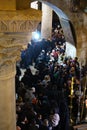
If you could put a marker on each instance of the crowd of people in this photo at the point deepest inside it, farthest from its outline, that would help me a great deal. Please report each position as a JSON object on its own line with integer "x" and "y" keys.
{"x": 42, "y": 99}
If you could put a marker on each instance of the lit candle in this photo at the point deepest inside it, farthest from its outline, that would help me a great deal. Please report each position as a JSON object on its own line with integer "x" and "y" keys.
{"x": 86, "y": 103}
{"x": 72, "y": 86}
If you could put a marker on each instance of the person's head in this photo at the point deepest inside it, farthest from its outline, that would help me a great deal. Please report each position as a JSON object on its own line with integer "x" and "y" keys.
{"x": 45, "y": 122}
{"x": 33, "y": 121}
{"x": 22, "y": 117}
{"x": 52, "y": 111}
{"x": 22, "y": 85}
{"x": 39, "y": 116}
{"x": 76, "y": 58}
{"x": 55, "y": 119}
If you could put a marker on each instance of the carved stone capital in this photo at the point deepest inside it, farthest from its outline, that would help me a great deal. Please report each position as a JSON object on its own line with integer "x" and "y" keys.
{"x": 9, "y": 54}
{"x": 10, "y": 47}
{"x": 7, "y": 71}
{"x": 19, "y": 20}
{"x": 18, "y": 26}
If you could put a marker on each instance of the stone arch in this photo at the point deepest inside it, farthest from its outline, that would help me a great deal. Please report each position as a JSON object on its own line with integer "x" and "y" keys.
{"x": 66, "y": 24}
{"x": 63, "y": 18}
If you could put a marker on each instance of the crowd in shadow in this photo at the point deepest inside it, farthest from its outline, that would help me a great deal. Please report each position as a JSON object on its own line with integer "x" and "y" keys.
{"x": 42, "y": 99}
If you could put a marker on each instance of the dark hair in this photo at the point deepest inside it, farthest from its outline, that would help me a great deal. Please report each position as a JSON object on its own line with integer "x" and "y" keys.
{"x": 21, "y": 117}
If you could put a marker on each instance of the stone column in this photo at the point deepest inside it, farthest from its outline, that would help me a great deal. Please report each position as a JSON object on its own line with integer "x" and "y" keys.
{"x": 9, "y": 54}
{"x": 82, "y": 48}
{"x": 7, "y": 97}
{"x": 81, "y": 33}
{"x": 46, "y": 26}
{"x": 11, "y": 45}
{"x": 10, "y": 49}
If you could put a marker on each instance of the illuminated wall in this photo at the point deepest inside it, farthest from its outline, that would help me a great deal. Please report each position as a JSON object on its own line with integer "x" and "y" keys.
{"x": 70, "y": 50}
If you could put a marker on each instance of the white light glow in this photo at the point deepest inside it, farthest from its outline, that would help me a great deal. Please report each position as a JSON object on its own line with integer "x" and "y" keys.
{"x": 35, "y": 35}
{"x": 34, "y": 5}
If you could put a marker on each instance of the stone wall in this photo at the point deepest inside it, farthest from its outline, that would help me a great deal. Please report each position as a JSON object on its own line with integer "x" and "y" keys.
{"x": 7, "y": 5}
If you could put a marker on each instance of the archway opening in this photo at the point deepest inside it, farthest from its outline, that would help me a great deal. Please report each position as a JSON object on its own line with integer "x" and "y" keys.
{"x": 65, "y": 26}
